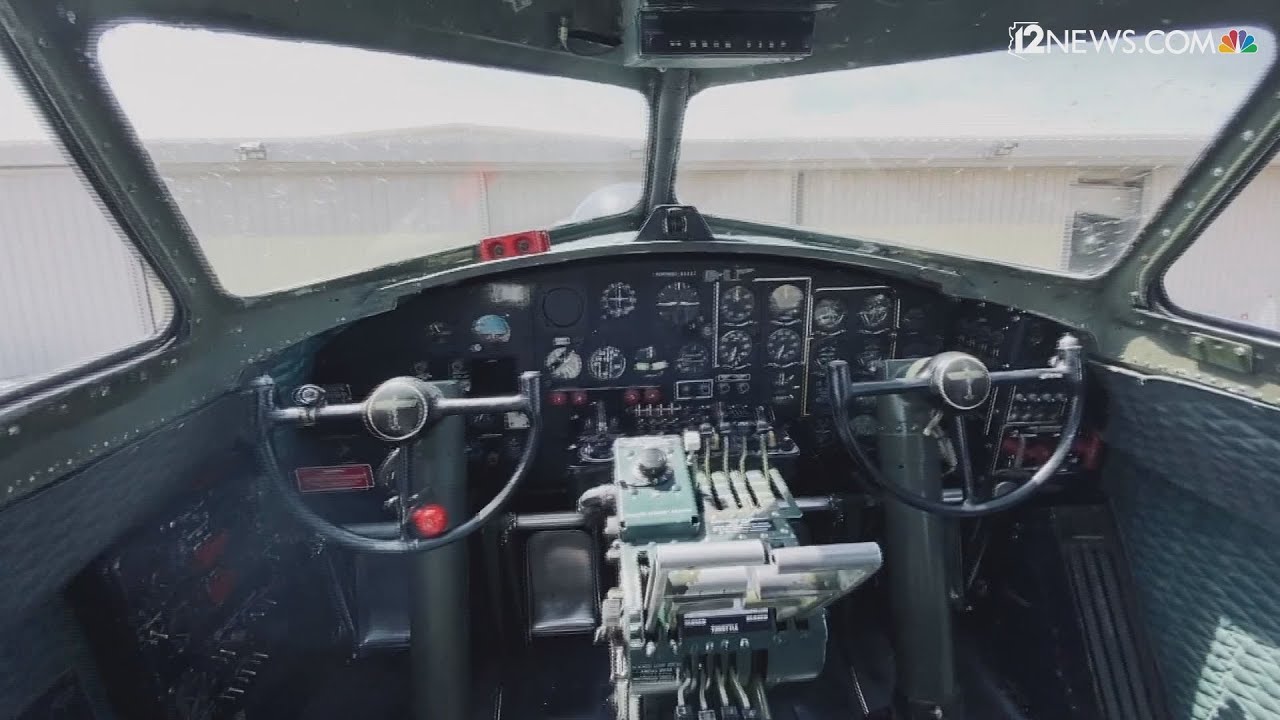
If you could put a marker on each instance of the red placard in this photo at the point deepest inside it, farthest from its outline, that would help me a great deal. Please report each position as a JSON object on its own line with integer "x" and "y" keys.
{"x": 334, "y": 478}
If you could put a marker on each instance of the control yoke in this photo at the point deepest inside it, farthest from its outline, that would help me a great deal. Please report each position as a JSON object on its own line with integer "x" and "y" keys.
{"x": 961, "y": 382}
{"x": 397, "y": 411}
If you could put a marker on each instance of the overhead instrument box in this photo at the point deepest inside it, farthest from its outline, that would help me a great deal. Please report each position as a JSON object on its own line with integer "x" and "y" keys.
{"x": 718, "y": 33}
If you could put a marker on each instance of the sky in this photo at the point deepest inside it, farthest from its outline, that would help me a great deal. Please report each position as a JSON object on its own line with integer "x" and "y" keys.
{"x": 183, "y": 83}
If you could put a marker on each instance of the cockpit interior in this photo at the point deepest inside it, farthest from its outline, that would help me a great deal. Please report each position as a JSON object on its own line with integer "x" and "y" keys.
{"x": 641, "y": 461}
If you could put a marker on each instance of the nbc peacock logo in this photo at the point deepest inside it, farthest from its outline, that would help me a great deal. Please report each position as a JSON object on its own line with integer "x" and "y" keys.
{"x": 1237, "y": 41}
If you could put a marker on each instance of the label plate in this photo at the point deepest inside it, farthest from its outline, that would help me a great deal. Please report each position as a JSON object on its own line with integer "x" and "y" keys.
{"x": 334, "y": 478}
{"x": 726, "y": 623}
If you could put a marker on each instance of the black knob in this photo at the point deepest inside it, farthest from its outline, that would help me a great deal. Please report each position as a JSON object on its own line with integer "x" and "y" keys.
{"x": 652, "y": 463}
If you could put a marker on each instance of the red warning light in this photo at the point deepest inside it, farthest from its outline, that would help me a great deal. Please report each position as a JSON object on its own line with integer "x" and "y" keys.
{"x": 514, "y": 245}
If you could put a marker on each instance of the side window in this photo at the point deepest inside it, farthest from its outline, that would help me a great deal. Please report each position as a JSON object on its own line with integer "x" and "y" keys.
{"x": 1232, "y": 271}
{"x": 73, "y": 288}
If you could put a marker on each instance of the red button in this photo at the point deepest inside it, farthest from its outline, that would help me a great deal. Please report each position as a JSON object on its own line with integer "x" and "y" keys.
{"x": 429, "y": 520}
{"x": 557, "y": 398}
{"x": 652, "y": 395}
{"x": 631, "y": 397}
{"x": 580, "y": 397}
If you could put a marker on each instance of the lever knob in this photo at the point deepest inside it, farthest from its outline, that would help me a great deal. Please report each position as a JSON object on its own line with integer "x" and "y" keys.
{"x": 651, "y": 464}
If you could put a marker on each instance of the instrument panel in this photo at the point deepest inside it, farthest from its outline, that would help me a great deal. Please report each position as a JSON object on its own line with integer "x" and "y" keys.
{"x": 664, "y": 343}
{"x": 671, "y": 330}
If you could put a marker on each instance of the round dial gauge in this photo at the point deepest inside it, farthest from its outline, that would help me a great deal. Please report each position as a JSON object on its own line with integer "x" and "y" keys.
{"x": 737, "y": 304}
{"x": 871, "y": 360}
{"x": 829, "y": 314}
{"x": 491, "y": 329}
{"x": 876, "y": 312}
{"x": 607, "y": 363}
{"x": 735, "y": 350}
{"x": 618, "y": 300}
{"x": 783, "y": 347}
{"x": 693, "y": 359}
{"x": 824, "y": 355}
{"x": 563, "y": 363}
{"x": 678, "y": 303}
{"x": 785, "y": 303}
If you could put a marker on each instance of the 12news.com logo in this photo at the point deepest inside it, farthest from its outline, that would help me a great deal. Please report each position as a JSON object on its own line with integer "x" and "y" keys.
{"x": 1032, "y": 38}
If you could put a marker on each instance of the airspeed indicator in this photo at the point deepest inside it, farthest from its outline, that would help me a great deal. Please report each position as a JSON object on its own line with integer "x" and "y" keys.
{"x": 734, "y": 350}
{"x": 784, "y": 347}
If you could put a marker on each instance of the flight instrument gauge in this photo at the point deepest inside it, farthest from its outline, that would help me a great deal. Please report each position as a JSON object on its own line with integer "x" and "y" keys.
{"x": 829, "y": 314}
{"x": 491, "y": 329}
{"x": 618, "y": 300}
{"x": 563, "y": 363}
{"x": 783, "y": 347}
{"x": 737, "y": 304}
{"x": 871, "y": 360}
{"x": 876, "y": 312}
{"x": 693, "y": 359}
{"x": 735, "y": 350}
{"x": 824, "y": 355}
{"x": 607, "y": 363}
{"x": 785, "y": 303}
{"x": 678, "y": 303}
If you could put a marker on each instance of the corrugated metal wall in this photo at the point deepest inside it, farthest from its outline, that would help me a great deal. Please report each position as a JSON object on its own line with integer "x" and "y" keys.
{"x": 270, "y": 225}
{"x": 71, "y": 289}
{"x": 1230, "y": 271}
{"x": 267, "y": 226}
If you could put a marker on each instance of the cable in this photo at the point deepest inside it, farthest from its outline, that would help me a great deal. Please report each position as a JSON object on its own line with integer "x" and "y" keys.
{"x": 720, "y": 686}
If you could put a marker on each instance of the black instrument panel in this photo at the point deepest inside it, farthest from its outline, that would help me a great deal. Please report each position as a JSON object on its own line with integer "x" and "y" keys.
{"x": 662, "y": 343}
{"x": 664, "y": 330}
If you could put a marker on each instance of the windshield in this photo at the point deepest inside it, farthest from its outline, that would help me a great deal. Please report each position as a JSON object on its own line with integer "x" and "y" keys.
{"x": 1052, "y": 161}
{"x": 300, "y": 162}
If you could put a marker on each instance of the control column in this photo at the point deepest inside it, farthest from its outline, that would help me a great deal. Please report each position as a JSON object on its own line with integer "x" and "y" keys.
{"x": 915, "y": 552}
